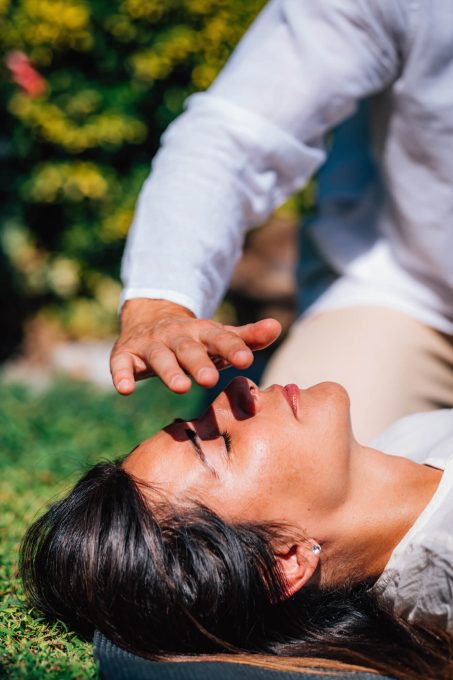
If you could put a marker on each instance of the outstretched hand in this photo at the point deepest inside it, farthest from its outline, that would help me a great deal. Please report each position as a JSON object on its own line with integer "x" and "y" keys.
{"x": 161, "y": 338}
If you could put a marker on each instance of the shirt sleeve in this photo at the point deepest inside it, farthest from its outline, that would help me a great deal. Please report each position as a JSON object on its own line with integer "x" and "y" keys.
{"x": 254, "y": 138}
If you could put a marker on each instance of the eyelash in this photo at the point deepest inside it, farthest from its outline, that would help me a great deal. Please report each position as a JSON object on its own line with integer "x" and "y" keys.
{"x": 227, "y": 439}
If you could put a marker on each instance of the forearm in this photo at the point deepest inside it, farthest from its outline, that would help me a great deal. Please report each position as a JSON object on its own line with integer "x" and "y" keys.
{"x": 212, "y": 180}
{"x": 251, "y": 141}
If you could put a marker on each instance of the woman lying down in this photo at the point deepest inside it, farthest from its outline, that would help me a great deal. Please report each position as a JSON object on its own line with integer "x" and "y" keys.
{"x": 262, "y": 528}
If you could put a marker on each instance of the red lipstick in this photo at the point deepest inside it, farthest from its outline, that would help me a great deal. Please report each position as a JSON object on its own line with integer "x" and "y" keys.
{"x": 293, "y": 395}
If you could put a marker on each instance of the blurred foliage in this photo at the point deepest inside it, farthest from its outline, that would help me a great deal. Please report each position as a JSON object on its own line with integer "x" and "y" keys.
{"x": 47, "y": 441}
{"x": 79, "y": 144}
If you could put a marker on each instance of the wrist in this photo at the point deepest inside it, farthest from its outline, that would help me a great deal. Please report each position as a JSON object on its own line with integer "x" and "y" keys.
{"x": 139, "y": 310}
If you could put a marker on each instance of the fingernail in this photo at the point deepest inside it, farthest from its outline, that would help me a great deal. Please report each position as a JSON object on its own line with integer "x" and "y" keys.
{"x": 178, "y": 381}
{"x": 124, "y": 385}
{"x": 206, "y": 374}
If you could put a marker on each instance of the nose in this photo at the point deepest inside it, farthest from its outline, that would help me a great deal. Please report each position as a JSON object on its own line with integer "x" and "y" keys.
{"x": 243, "y": 396}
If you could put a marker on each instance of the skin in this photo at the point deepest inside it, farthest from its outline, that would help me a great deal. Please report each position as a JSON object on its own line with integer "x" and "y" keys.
{"x": 302, "y": 467}
{"x": 163, "y": 339}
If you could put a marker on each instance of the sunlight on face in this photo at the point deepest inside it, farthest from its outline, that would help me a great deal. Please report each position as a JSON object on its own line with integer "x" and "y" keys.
{"x": 280, "y": 454}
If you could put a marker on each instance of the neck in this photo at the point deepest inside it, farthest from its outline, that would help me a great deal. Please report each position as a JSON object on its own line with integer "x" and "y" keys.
{"x": 387, "y": 494}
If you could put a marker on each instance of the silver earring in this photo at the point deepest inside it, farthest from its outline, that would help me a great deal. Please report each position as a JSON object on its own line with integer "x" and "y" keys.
{"x": 316, "y": 549}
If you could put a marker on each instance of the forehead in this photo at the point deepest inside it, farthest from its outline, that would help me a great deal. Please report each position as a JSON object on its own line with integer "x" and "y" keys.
{"x": 166, "y": 459}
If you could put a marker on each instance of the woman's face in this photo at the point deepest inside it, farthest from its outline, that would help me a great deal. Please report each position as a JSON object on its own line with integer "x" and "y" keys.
{"x": 280, "y": 454}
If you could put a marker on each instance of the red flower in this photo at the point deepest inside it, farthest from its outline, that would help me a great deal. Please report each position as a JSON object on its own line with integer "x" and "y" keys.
{"x": 24, "y": 74}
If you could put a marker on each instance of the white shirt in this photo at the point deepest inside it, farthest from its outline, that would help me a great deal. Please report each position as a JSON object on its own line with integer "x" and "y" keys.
{"x": 418, "y": 578}
{"x": 259, "y": 133}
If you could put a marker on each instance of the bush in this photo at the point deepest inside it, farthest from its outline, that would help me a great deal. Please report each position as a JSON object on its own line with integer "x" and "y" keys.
{"x": 79, "y": 135}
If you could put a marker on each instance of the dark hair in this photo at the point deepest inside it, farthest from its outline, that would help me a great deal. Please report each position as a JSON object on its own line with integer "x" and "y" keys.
{"x": 161, "y": 581}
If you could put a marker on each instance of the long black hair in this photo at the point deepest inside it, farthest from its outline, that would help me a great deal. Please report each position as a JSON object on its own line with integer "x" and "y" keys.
{"x": 164, "y": 581}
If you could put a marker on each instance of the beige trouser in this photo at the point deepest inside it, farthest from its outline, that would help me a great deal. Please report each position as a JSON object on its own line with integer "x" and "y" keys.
{"x": 391, "y": 364}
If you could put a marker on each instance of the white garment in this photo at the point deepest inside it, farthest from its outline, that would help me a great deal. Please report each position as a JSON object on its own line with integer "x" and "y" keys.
{"x": 418, "y": 578}
{"x": 258, "y": 135}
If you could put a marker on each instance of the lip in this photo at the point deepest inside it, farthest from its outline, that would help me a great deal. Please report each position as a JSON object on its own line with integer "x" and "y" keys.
{"x": 292, "y": 394}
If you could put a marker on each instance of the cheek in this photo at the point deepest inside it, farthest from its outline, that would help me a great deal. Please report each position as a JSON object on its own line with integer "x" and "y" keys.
{"x": 261, "y": 482}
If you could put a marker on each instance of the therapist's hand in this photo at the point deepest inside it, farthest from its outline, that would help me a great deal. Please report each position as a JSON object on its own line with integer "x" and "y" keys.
{"x": 161, "y": 338}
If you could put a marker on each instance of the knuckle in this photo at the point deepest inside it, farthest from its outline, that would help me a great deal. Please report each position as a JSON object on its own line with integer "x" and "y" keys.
{"x": 117, "y": 349}
{"x": 165, "y": 329}
{"x": 118, "y": 359}
{"x": 209, "y": 325}
{"x": 225, "y": 337}
{"x": 185, "y": 344}
{"x": 155, "y": 352}
{"x": 124, "y": 347}
{"x": 209, "y": 329}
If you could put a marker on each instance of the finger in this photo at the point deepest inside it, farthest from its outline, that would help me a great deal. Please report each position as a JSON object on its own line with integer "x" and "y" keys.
{"x": 122, "y": 370}
{"x": 193, "y": 356}
{"x": 226, "y": 345}
{"x": 163, "y": 363}
{"x": 258, "y": 335}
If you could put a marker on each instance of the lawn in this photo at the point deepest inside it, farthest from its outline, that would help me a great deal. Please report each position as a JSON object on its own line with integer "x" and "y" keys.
{"x": 46, "y": 441}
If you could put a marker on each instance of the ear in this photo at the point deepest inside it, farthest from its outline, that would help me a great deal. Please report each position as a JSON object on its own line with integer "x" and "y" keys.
{"x": 298, "y": 564}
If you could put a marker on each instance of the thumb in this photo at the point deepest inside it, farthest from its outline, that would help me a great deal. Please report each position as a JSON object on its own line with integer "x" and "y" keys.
{"x": 260, "y": 334}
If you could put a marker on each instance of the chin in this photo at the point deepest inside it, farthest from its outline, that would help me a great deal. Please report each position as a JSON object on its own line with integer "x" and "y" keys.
{"x": 331, "y": 390}
{"x": 331, "y": 400}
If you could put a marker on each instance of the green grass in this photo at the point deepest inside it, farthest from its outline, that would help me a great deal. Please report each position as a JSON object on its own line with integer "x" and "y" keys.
{"x": 46, "y": 442}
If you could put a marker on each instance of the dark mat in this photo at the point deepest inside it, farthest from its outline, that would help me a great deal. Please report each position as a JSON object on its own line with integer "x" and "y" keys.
{"x": 116, "y": 664}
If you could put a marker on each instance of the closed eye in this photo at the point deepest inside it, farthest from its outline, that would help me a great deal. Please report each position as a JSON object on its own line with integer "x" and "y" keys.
{"x": 227, "y": 439}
